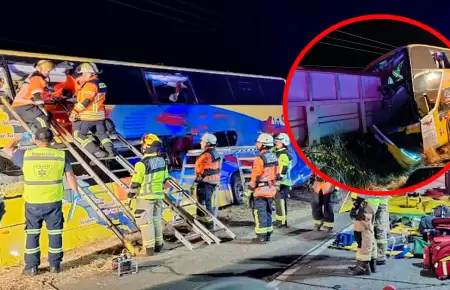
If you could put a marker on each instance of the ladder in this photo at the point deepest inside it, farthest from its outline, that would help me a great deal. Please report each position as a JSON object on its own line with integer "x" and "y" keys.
{"x": 200, "y": 231}
{"x": 99, "y": 209}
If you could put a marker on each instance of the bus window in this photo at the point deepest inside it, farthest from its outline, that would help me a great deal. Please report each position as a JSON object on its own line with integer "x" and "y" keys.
{"x": 392, "y": 69}
{"x": 444, "y": 101}
{"x": 226, "y": 138}
{"x": 440, "y": 59}
{"x": 170, "y": 87}
{"x": 427, "y": 86}
{"x": 126, "y": 85}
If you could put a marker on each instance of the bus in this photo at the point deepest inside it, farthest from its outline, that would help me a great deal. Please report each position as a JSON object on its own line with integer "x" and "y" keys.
{"x": 177, "y": 104}
{"x": 416, "y": 95}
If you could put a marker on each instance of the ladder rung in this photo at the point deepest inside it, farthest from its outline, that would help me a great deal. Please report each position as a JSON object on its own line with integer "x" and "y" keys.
{"x": 246, "y": 167}
{"x": 84, "y": 177}
{"x": 107, "y": 158}
{"x": 99, "y": 192}
{"x": 189, "y": 166}
{"x": 119, "y": 170}
{"x": 247, "y": 158}
{"x": 246, "y": 175}
{"x": 192, "y": 236}
{"x": 132, "y": 157}
{"x": 189, "y": 176}
{"x": 75, "y": 163}
{"x": 110, "y": 207}
{"x": 188, "y": 204}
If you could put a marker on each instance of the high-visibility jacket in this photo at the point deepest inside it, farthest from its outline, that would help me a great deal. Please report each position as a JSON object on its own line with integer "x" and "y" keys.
{"x": 33, "y": 89}
{"x": 90, "y": 100}
{"x": 43, "y": 172}
{"x": 264, "y": 175}
{"x": 372, "y": 199}
{"x": 325, "y": 186}
{"x": 207, "y": 166}
{"x": 284, "y": 166}
{"x": 150, "y": 175}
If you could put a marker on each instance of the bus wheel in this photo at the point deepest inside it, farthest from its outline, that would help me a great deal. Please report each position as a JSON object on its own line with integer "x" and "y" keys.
{"x": 237, "y": 188}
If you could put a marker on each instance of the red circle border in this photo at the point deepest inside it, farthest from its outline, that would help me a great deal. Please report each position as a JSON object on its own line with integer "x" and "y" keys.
{"x": 294, "y": 67}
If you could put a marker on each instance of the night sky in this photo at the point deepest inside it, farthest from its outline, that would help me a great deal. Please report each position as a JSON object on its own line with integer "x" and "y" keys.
{"x": 248, "y": 36}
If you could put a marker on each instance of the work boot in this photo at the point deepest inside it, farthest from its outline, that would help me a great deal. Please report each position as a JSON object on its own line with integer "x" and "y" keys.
{"x": 260, "y": 239}
{"x": 150, "y": 251}
{"x": 100, "y": 154}
{"x": 317, "y": 227}
{"x": 55, "y": 268}
{"x": 109, "y": 149}
{"x": 381, "y": 262}
{"x": 373, "y": 265}
{"x": 158, "y": 248}
{"x": 268, "y": 237}
{"x": 361, "y": 268}
{"x": 33, "y": 271}
{"x": 328, "y": 229}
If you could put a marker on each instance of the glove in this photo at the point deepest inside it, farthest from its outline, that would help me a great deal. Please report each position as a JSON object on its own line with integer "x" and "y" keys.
{"x": 73, "y": 116}
{"x": 76, "y": 196}
{"x": 67, "y": 94}
{"x": 26, "y": 136}
{"x": 132, "y": 192}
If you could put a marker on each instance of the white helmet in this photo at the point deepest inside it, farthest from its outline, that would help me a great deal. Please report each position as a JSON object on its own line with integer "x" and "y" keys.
{"x": 283, "y": 138}
{"x": 209, "y": 138}
{"x": 87, "y": 67}
{"x": 265, "y": 139}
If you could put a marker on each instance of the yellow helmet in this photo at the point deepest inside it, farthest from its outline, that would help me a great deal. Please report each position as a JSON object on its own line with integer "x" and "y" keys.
{"x": 150, "y": 139}
{"x": 44, "y": 64}
{"x": 87, "y": 67}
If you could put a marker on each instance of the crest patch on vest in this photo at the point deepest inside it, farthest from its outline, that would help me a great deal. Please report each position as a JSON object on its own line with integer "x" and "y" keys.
{"x": 42, "y": 170}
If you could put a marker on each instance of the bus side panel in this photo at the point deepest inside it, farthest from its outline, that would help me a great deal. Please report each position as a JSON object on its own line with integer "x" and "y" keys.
{"x": 9, "y": 127}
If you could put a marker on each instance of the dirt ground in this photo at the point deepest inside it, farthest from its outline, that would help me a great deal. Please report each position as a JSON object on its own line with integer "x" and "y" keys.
{"x": 91, "y": 260}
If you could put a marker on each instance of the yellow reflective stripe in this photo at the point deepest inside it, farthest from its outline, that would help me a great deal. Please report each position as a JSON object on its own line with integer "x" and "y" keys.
{"x": 269, "y": 229}
{"x": 55, "y": 251}
{"x": 144, "y": 225}
{"x": 159, "y": 240}
{"x": 106, "y": 140}
{"x": 56, "y": 158}
{"x": 80, "y": 140}
{"x": 41, "y": 122}
{"x": 318, "y": 222}
{"x": 79, "y": 107}
{"x": 258, "y": 230}
{"x": 363, "y": 258}
{"x": 328, "y": 224}
{"x": 33, "y": 231}
{"x": 149, "y": 243}
{"x": 32, "y": 251}
{"x": 51, "y": 182}
{"x": 280, "y": 218}
{"x": 55, "y": 232}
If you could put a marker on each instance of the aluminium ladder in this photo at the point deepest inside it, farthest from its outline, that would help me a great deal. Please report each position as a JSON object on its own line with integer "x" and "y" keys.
{"x": 200, "y": 231}
{"x": 99, "y": 209}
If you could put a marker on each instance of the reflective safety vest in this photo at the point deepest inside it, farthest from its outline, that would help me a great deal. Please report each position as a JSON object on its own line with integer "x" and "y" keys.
{"x": 370, "y": 199}
{"x": 90, "y": 101}
{"x": 266, "y": 183}
{"x": 384, "y": 201}
{"x": 284, "y": 166}
{"x": 27, "y": 91}
{"x": 154, "y": 177}
{"x": 43, "y": 172}
{"x": 323, "y": 186}
{"x": 211, "y": 174}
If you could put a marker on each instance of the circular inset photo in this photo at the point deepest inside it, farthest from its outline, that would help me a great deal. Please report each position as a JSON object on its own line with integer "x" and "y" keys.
{"x": 368, "y": 104}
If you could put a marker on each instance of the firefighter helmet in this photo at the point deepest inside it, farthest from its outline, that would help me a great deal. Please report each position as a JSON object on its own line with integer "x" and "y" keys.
{"x": 265, "y": 139}
{"x": 150, "y": 139}
{"x": 44, "y": 64}
{"x": 283, "y": 138}
{"x": 87, "y": 67}
{"x": 209, "y": 138}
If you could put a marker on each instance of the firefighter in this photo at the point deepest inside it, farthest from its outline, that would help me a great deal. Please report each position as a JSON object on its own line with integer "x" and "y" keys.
{"x": 262, "y": 188}
{"x": 381, "y": 228}
{"x": 284, "y": 177}
{"x": 43, "y": 169}
{"x": 207, "y": 171}
{"x": 29, "y": 101}
{"x": 322, "y": 207}
{"x": 363, "y": 214}
{"x": 88, "y": 114}
{"x": 147, "y": 184}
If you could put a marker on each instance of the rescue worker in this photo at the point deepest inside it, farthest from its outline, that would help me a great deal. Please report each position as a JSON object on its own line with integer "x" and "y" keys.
{"x": 207, "y": 171}
{"x": 43, "y": 169}
{"x": 147, "y": 184}
{"x": 29, "y": 101}
{"x": 262, "y": 188}
{"x": 322, "y": 206}
{"x": 381, "y": 228}
{"x": 284, "y": 177}
{"x": 88, "y": 114}
{"x": 363, "y": 214}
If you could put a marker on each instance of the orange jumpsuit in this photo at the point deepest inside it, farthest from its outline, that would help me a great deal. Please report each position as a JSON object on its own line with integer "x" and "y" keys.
{"x": 33, "y": 89}
{"x": 207, "y": 170}
{"x": 263, "y": 183}
{"x": 91, "y": 116}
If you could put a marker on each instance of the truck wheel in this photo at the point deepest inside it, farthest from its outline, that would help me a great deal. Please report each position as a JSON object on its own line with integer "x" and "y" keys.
{"x": 237, "y": 188}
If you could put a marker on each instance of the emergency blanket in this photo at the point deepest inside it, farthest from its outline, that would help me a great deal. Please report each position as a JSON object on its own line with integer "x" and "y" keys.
{"x": 345, "y": 241}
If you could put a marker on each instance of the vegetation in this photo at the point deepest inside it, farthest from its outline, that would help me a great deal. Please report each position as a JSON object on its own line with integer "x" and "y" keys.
{"x": 355, "y": 161}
